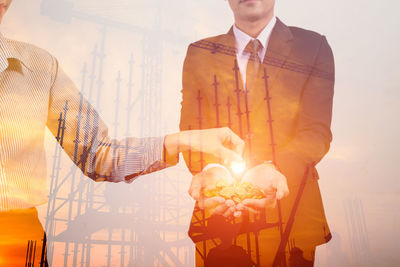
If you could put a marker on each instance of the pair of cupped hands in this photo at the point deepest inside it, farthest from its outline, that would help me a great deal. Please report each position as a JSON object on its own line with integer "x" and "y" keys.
{"x": 264, "y": 176}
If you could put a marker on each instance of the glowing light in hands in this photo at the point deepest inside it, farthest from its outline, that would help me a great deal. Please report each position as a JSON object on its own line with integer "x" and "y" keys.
{"x": 238, "y": 167}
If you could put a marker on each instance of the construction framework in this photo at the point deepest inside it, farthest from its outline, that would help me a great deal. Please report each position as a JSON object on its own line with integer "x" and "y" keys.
{"x": 75, "y": 201}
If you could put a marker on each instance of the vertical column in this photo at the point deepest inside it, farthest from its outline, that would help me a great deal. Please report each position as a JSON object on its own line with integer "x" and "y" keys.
{"x": 77, "y": 142}
{"x": 272, "y": 144}
{"x": 91, "y": 186}
{"x": 127, "y": 133}
{"x": 200, "y": 121}
{"x": 228, "y": 106}
{"x": 218, "y": 124}
{"x": 200, "y": 118}
{"x": 43, "y": 258}
{"x": 54, "y": 187}
{"x": 247, "y": 111}
{"x": 215, "y": 83}
{"x": 269, "y": 114}
{"x": 84, "y": 154}
{"x": 238, "y": 91}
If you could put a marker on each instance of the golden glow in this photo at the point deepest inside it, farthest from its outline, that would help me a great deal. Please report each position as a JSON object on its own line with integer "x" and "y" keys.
{"x": 238, "y": 167}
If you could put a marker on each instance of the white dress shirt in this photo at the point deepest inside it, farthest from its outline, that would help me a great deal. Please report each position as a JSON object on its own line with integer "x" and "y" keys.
{"x": 242, "y": 39}
{"x": 33, "y": 93}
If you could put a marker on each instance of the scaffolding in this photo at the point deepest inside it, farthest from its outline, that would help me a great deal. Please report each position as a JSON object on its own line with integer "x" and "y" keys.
{"x": 357, "y": 232}
{"x": 126, "y": 240}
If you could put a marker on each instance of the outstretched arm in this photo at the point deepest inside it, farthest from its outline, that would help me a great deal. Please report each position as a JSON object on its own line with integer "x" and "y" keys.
{"x": 84, "y": 136}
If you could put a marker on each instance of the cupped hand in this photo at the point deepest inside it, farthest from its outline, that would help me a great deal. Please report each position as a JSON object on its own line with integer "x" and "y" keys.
{"x": 273, "y": 183}
{"x": 206, "y": 181}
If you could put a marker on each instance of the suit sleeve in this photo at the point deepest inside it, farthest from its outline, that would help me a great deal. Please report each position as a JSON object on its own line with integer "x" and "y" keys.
{"x": 84, "y": 137}
{"x": 313, "y": 135}
{"x": 195, "y": 112}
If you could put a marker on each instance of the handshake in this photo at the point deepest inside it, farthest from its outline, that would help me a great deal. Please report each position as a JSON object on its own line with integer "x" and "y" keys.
{"x": 218, "y": 192}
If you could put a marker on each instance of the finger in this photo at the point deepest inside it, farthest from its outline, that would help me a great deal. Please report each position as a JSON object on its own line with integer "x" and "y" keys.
{"x": 240, "y": 207}
{"x": 271, "y": 203}
{"x": 282, "y": 188}
{"x": 270, "y": 199}
{"x": 228, "y": 155}
{"x": 229, "y": 212}
{"x": 221, "y": 209}
{"x": 246, "y": 209}
{"x": 229, "y": 203}
{"x": 236, "y": 142}
{"x": 195, "y": 188}
{"x": 270, "y": 194}
{"x": 237, "y": 214}
{"x": 200, "y": 203}
{"x": 212, "y": 202}
{"x": 257, "y": 204}
{"x": 195, "y": 192}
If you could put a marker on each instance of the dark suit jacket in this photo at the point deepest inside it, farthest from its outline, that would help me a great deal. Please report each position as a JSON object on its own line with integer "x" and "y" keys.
{"x": 285, "y": 117}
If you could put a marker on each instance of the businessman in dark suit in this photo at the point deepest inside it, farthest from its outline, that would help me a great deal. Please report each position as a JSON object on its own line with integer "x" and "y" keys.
{"x": 272, "y": 85}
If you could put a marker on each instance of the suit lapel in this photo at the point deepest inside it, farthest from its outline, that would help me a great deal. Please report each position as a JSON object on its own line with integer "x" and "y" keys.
{"x": 279, "y": 48}
{"x": 228, "y": 39}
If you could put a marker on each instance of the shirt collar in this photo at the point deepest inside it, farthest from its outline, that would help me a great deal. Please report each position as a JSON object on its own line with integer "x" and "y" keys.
{"x": 8, "y": 51}
{"x": 242, "y": 38}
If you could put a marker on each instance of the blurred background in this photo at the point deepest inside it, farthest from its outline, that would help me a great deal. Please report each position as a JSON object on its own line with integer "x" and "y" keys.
{"x": 126, "y": 57}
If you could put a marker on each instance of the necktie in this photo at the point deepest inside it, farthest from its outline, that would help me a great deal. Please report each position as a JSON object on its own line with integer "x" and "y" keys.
{"x": 253, "y": 73}
{"x": 253, "y": 66}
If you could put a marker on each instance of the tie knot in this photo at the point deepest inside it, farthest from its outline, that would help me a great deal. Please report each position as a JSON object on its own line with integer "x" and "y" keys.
{"x": 254, "y": 46}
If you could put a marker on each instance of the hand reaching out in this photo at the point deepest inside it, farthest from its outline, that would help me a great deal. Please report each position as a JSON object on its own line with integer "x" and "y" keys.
{"x": 223, "y": 143}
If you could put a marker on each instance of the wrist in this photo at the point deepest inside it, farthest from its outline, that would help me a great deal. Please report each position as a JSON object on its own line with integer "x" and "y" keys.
{"x": 170, "y": 144}
{"x": 171, "y": 148}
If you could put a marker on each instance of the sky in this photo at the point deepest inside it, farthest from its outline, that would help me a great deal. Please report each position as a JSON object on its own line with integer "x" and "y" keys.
{"x": 361, "y": 168}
